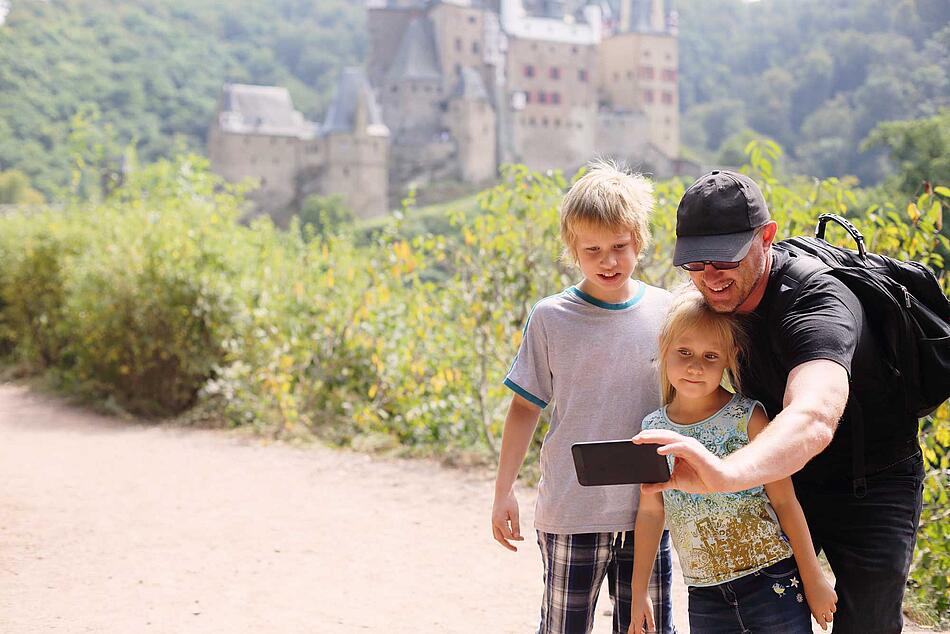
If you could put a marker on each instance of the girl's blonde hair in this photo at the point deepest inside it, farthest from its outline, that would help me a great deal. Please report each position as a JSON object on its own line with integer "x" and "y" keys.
{"x": 607, "y": 196}
{"x": 689, "y": 311}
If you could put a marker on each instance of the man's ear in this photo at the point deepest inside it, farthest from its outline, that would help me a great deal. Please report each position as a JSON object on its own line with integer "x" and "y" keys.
{"x": 768, "y": 233}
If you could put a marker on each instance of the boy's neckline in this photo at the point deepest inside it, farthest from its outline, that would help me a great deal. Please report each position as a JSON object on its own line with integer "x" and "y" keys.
{"x": 590, "y": 299}
{"x": 699, "y": 422}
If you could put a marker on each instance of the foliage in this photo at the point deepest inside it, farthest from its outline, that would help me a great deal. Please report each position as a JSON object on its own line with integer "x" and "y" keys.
{"x": 920, "y": 149}
{"x": 154, "y": 71}
{"x": 15, "y": 189}
{"x": 815, "y": 77}
{"x": 158, "y": 298}
{"x": 323, "y": 214}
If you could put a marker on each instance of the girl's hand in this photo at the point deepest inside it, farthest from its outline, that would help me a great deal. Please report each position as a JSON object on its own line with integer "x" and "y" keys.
{"x": 641, "y": 611}
{"x": 822, "y": 600}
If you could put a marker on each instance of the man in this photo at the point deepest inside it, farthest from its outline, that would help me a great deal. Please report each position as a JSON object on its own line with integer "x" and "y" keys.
{"x": 861, "y": 493}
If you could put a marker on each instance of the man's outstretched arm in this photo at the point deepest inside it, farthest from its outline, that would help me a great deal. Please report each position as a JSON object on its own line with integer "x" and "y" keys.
{"x": 815, "y": 397}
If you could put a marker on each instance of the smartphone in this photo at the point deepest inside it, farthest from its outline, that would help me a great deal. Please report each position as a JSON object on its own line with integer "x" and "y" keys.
{"x": 618, "y": 462}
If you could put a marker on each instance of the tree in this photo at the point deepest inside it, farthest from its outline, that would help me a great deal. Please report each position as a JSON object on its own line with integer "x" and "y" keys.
{"x": 920, "y": 150}
{"x": 15, "y": 189}
{"x": 320, "y": 215}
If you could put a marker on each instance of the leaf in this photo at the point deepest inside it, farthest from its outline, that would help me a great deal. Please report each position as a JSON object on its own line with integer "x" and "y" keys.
{"x": 943, "y": 191}
{"x": 913, "y": 212}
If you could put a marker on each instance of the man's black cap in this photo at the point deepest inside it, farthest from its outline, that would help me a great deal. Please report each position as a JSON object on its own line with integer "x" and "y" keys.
{"x": 717, "y": 218}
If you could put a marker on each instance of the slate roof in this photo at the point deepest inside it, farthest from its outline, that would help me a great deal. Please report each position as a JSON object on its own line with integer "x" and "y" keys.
{"x": 417, "y": 57}
{"x": 267, "y": 110}
{"x": 353, "y": 88}
{"x": 470, "y": 86}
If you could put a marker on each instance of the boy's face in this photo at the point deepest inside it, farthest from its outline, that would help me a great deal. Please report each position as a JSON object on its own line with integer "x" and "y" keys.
{"x": 607, "y": 258}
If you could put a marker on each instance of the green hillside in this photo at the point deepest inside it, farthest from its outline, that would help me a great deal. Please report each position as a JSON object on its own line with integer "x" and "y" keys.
{"x": 815, "y": 76}
{"x": 153, "y": 70}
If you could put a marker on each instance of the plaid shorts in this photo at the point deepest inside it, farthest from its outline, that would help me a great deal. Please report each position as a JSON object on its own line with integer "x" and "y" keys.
{"x": 574, "y": 570}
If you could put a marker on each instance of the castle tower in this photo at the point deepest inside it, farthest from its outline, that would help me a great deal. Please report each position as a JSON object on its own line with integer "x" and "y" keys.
{"x": 471, "y": 120}
{"x": 256, "y": 134}
{"x": 357, "y": 147}
{"x": 412, "y": 86}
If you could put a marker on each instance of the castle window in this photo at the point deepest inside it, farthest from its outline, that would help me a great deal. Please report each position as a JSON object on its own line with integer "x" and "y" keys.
{"x": 574, "y": 50}
{"x": 346, "y": 171}
{"x": 555, "y": 72}
{"x": 544, "y": 121}
{"x": 475, "y": 48}
{"x": 669, "y": 74}
{"x": 542, "y": 96}
{"x": 555, "y": 97}
{"x": 458, "y": 44}
{"x": 471, "y": 19}
{"x": 394, "y": 89}
{"x": 648, "y": 96}
{"x": 557, "y": 123}
{"x": 529, "y": 71}
{"x": 629, "y": 74}
{"x": 646, "y": 53}
{"x": 527, "y": 98}
{"x": 646, "y": 72}
{"x": 531, "y": 121}
{"x": 667, "y": 97}
{"x": 616, "y": 76}
{"x": 582, "y": 75}
{"x": 458, "y": 69}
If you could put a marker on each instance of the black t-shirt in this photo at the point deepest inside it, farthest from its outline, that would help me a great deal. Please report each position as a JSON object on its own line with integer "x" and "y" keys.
{"x": 826, "y": 321}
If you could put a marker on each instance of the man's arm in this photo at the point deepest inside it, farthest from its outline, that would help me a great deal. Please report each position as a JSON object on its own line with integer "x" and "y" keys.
{"x": 815, "y": 397}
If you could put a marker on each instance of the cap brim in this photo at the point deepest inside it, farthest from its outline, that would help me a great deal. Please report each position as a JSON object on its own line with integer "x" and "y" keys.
{"x": 726, "y": 247}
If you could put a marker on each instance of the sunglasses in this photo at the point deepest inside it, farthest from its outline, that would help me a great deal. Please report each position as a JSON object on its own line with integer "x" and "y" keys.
{"x": 719, "y": 266}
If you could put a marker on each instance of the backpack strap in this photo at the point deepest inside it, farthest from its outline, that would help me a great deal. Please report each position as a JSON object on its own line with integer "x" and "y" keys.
{"x": 793, "y": 276}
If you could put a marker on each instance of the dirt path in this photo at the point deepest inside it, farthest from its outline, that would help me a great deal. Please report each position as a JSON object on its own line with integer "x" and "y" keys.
{"x": 114, "y": 527}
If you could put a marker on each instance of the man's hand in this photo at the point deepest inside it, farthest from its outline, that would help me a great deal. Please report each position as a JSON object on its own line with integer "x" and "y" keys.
{"x": 505, "y": 522}
{"x": 695, "y": 470}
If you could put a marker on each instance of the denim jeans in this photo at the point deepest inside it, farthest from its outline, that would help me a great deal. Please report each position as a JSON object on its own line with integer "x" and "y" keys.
{"x": 869, "y": 542}
{"x": 770, "y": 601}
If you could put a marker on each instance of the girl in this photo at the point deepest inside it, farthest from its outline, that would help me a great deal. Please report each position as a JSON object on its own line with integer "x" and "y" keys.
{"x": 738, "y": 551}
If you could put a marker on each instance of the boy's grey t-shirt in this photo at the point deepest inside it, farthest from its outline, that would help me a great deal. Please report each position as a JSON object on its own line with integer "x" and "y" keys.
{"x": 594, "y": 362}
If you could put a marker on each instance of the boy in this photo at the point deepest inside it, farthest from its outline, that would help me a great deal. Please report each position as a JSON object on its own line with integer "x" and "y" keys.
{"x": 590, "y": 350}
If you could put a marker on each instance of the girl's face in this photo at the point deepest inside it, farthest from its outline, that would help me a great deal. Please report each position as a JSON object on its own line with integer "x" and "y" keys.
{"x": 607, "y": 259}
{"x": 695, "y": 363}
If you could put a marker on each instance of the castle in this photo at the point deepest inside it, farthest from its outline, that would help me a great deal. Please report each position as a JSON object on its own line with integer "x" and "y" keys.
{"x": 454, "y": 88}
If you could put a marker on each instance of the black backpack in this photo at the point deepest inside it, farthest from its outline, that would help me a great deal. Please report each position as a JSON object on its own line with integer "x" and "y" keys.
{"x": 903, "y": 302}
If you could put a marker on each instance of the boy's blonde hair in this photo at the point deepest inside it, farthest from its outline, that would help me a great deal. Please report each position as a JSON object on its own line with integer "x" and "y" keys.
{"x": 609, "y": 197}
{"x": 689, "y": 311}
